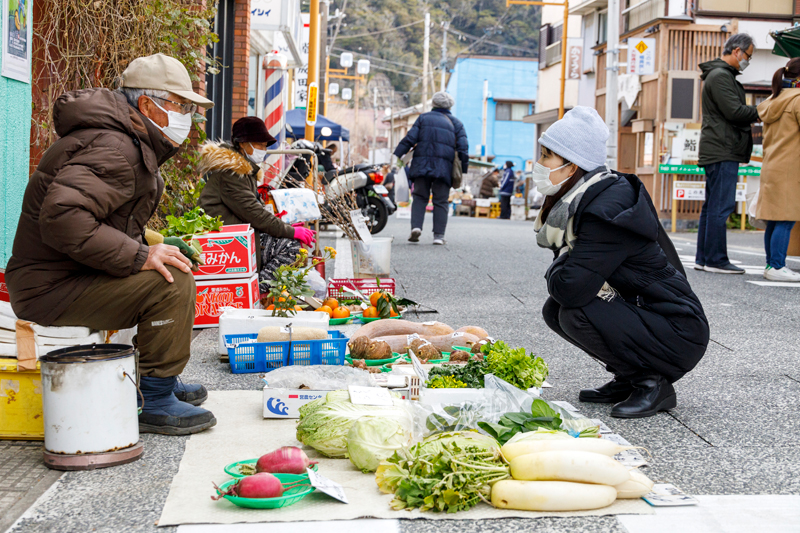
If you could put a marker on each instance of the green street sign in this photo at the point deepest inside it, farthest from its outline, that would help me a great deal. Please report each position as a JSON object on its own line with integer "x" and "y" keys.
{"x": 698, "y": 171}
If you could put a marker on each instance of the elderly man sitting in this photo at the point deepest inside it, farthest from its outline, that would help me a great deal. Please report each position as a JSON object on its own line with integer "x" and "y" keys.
{"x": 80, "y": 257}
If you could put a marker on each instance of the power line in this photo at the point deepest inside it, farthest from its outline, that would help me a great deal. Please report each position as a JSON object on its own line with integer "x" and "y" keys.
{"x": 381, "y": 31}
{"x": 373, "y": 58}
{"x": 486, "y": 41}
{"x": 386, "y": 69}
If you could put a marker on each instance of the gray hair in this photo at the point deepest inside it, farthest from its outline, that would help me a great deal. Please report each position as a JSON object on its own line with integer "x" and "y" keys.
{"x": 741, "y": 41}
{"x": 132, "y": 95}
{"x": 442, "y": 100}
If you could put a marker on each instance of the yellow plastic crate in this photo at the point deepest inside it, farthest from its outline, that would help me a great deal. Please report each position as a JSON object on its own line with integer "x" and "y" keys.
{"x": 20, "y": 402}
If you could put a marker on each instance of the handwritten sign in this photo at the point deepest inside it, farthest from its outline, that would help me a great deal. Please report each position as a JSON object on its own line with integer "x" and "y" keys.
{"x": 357, "y": 217}
{"x": 369, "y": 396}
{"x": 323, "y": 484}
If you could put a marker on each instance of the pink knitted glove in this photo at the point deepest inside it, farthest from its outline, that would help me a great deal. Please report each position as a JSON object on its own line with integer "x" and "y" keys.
{"x": 306, "y": 236}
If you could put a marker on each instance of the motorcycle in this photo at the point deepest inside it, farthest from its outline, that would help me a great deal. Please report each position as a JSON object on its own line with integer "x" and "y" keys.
{"x": 372, "y": 197}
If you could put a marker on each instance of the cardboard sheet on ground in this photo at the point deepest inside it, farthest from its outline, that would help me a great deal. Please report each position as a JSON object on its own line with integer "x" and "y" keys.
{"x": 241, "y": 433}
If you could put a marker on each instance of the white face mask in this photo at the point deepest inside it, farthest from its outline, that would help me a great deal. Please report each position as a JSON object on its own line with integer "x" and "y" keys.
{"x": 257, "y": 156}
{"x": 178, "y": 127}
{"x": 744, "y": 63}
{"x": 541, "y": 178}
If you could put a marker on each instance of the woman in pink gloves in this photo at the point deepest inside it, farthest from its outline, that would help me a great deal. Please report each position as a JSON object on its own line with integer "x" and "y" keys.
{"x": 231, "y": 192}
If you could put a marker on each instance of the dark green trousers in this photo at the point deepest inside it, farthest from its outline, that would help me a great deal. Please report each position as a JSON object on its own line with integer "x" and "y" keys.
{"x": 163, "y": 312}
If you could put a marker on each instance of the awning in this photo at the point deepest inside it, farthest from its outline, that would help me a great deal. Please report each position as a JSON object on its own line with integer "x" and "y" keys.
{"x": 787, "y": 42}
{"x": 296, "y": 127}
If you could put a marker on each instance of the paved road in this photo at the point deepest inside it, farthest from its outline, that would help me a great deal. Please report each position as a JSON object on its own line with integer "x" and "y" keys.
{"x": 734, "y": 432}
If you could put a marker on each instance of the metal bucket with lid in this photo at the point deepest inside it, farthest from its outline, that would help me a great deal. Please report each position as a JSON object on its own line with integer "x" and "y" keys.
{"x": 89, "y": 399}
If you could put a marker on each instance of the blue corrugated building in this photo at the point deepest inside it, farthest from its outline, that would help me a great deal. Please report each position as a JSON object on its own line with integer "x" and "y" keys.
{"x": 512, "y": 91}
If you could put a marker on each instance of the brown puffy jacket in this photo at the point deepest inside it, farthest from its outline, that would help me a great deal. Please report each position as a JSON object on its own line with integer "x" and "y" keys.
{"x": 231, "y": 192}
{"x": 87, "y": 203}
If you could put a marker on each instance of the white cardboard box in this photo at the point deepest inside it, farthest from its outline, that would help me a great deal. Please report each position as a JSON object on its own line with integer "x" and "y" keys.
{"x": 245, "y": 321}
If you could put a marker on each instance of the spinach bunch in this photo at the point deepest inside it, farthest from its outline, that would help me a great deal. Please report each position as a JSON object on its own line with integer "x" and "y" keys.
{"x": 470, "y": 374}
{"x": 541, "y": 416}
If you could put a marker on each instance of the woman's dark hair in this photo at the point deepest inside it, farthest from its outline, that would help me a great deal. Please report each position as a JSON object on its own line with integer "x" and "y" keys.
{"x": 790, "y": 71}
{"x": 237, "y": 146}
{"x": 566, "y": 186}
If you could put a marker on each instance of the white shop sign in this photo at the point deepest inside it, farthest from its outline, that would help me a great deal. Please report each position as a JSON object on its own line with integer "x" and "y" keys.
{"x": 642, "y": 56}
{"x": 696, "y": 190}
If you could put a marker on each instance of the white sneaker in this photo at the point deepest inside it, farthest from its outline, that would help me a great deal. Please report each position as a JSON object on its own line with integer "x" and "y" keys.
{"x": 781, "y": 274}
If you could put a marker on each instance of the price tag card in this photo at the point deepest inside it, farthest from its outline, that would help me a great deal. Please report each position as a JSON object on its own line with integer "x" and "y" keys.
{"x": 631, "y": 458}
{"x": 370, "y": 396}
{"x": 418, "y": 370}
{"x": 604, "y": 429}
{"x": 458, "y": 334}
{"x": 357, "y": 217}
{"x": 286, "y": 329}
{"x": 668, "y": 495}
{"x": 323, "y": 484}
{"x": 567, "y": 406}
{"x": 432, "y": 323}
{"x": 411, "y": 338}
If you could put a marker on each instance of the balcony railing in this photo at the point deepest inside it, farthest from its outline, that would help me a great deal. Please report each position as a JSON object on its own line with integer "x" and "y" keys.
{"x": 552, "y": 54}
{"x": 643, "y": 13}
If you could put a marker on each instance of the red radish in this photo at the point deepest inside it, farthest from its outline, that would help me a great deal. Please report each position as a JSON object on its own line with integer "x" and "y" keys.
{"x": 285, "y": 460}
{"x": 261, "y": 485}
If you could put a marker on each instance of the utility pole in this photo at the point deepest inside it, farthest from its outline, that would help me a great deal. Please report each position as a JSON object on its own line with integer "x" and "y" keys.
{"x": 443, "y": 64}
{"x": 425, "y": 54}
{"x": 313, "y": 67}
{"x": 484, "y": 155}
{"x": 355, "y": 140}
{"x": 612, "y": 71}
{"x": 324, "y": 59}
{"x": 374, "y": 124}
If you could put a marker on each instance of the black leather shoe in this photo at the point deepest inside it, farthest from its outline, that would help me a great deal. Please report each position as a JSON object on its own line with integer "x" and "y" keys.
{"x": 651, "y": 394}
{"x": 614, "y": 391}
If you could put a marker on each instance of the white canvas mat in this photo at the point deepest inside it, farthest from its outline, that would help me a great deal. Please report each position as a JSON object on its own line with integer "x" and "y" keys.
{"x": 241, "y": 433}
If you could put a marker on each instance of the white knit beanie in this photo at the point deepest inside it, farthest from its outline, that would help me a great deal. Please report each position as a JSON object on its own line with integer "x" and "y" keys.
{"x": 442, "y": 100}
{"x": 580, "y": 137}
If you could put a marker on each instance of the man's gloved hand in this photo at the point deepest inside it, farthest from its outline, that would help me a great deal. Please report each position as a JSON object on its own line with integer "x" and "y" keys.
{"x": 192, "y": 252}
{"x": 304, "y": 235}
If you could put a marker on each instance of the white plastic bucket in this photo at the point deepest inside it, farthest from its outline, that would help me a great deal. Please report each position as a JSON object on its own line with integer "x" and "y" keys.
{"x": 374, "y": 259}
{"x": 89, "y": 399}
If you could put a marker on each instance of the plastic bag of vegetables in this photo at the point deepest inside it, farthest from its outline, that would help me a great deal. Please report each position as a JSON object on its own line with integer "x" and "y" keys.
{"x": 325, "y": 428}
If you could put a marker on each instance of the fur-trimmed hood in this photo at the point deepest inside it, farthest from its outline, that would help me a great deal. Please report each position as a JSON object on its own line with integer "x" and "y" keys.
{"x": 221, "y": 157}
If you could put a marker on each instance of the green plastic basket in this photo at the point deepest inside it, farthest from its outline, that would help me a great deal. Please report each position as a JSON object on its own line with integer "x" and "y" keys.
{"x": 341, "y": 321}
{"x": 444, "y": 359}
{"x": 366, "y": 320}
{"x": 290, "y": 497}
{"x": 375, "y": 362}
{"x": 233, "y": 468}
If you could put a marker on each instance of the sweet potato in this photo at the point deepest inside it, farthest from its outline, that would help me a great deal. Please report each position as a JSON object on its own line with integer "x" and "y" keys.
{"x": 474, "y": 330}
{"x": 385, "y": 328}
{"x": 444, "y": 343}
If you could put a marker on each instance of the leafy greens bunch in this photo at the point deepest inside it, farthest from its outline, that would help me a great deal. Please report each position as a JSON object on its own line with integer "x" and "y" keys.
{"x": 542, "y": 417}
{"x": 514, "y": 366}
{"x": 448, "y": 472}
{"x": 194, "y": 222}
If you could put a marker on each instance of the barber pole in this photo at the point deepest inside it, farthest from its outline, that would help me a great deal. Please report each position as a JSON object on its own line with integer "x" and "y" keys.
{"x": 274, "y": 110}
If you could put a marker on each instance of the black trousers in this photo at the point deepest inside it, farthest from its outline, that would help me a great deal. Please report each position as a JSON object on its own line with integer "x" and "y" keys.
{"x": 573, "y": 326}
{"x": 505, "y": 207}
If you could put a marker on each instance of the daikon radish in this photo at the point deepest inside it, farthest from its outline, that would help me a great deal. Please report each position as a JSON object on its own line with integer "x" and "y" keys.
{"x": 535, "y": 445}
{"x": 636, "y": 487}
{"x": 581, "y": 467}
{"x": 551, "y": 495}
{"x": 383, "y": 328}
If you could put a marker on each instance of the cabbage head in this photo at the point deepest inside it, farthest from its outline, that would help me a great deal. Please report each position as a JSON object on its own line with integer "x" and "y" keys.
{"x": 326, "y": 428}
{"x": 372, "y": 439}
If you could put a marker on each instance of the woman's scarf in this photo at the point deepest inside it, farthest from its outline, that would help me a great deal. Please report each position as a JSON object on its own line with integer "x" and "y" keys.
{"x": 557, "y": 232}
{"x": 791, "y": 83}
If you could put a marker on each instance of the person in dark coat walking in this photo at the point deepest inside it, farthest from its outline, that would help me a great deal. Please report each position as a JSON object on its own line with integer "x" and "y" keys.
{"x": 617, "y": 288}
{"x": 489, "y": 183}
{"x": 439, "y": 141}
{"x": 507, "y": 191}
{"x": 725, "y": 141}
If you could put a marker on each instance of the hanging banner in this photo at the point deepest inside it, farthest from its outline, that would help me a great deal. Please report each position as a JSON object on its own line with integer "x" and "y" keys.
{"x": 301, "y": 73}
{"x": 17, "y": 38}
{"x": 574, "y": 60}
{"x": 311, "y": 109}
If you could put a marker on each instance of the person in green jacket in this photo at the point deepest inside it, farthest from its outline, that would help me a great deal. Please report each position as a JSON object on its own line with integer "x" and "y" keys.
{"x": 231, "y": 191}
{"x": 725, "y": 141}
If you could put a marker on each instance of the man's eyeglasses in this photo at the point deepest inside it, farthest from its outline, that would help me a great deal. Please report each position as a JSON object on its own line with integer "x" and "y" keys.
{"x": 185, "y": 108}
{"x": 749, "y": 56}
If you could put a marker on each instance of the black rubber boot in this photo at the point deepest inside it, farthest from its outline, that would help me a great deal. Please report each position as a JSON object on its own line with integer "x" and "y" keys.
{"x": 163, "y": 413}
{"x": 191, "y": 393}
{"x": 651, "y": 394}
{"x": 614, "y": 391}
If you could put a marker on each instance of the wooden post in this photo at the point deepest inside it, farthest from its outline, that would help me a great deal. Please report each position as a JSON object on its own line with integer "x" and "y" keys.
{"x": 674, "y": 228}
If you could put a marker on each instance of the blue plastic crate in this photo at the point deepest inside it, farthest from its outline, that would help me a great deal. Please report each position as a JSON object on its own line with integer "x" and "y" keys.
{"x": 247, "y": 356}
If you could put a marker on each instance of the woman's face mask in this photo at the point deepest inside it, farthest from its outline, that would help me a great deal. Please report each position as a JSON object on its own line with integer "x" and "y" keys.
{"x": 542, "y": 176}
{"x": 257, "y": 156}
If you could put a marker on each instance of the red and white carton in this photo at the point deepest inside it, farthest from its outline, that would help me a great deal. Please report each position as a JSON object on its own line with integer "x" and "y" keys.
{"x": 228, "y": 253}
{"x": 4, "y": 296}
{"x": 213, "y": 296}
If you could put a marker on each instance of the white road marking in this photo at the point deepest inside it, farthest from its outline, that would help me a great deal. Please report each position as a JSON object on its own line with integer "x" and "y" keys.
{"x": 794, "y": 285}
{"x": 721, "y": 514}
{"x": 328, "y": 526}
